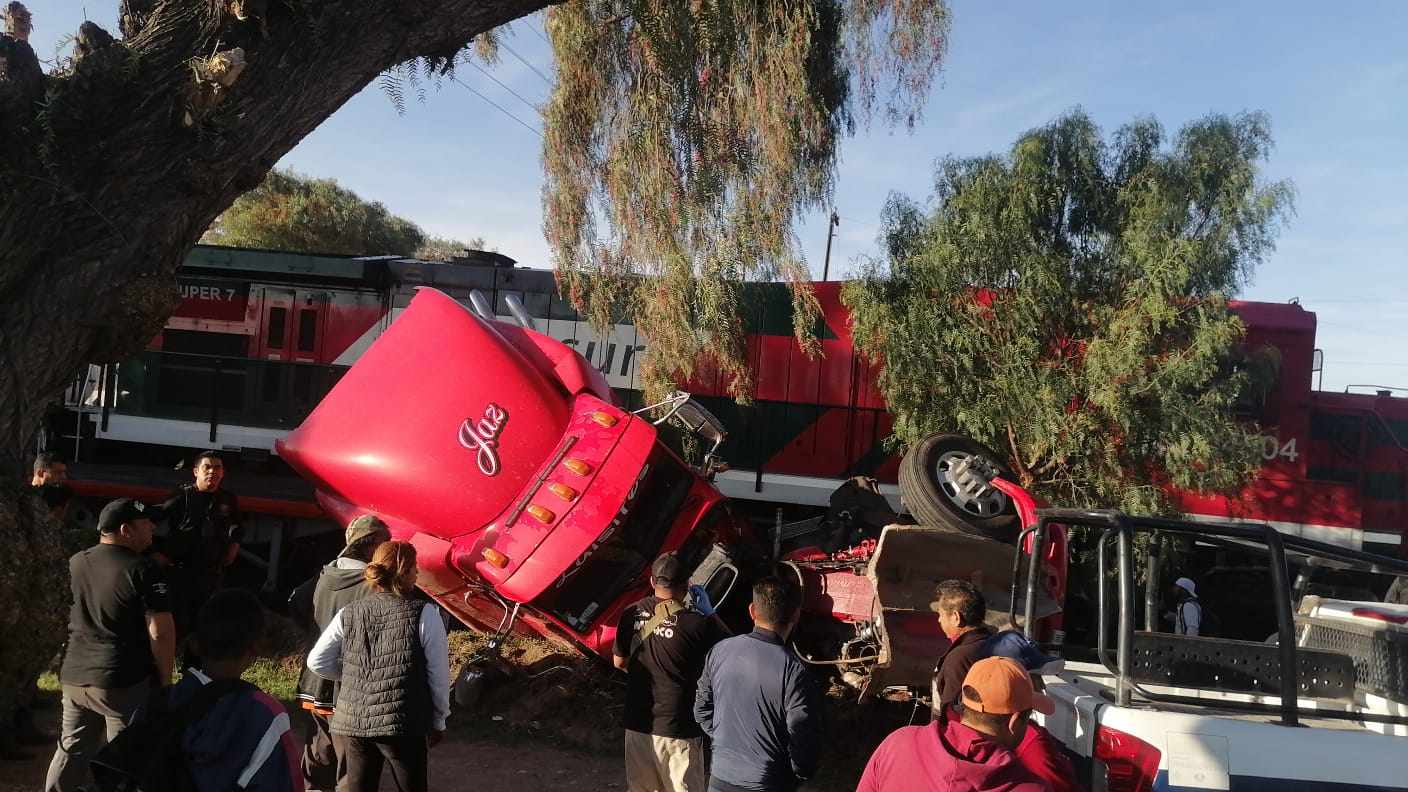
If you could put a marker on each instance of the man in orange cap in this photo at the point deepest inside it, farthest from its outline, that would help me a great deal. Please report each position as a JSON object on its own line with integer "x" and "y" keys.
{"x": 972, "y": 754}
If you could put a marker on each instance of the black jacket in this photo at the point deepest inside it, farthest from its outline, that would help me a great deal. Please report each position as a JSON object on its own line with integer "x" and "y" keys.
{"x": 339, "y": 584}
{"x": 954, "y": 664}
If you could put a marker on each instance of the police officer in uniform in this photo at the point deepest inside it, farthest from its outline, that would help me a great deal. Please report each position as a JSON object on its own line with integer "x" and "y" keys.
{"x": 202, "y": 537}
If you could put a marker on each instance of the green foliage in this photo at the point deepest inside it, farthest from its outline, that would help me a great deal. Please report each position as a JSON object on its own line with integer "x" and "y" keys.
{"x": 297, "y": 213}
{"x": 1067, "y": 304}
{"x": 442, "y": 249}
{"x": 683, "y": 138}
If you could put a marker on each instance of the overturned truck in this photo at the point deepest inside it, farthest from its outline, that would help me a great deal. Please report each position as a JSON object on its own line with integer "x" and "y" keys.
{"x": 537, "y": 504}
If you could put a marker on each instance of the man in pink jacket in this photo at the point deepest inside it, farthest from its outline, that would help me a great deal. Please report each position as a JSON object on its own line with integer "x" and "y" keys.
{"x": 972, "y": 754}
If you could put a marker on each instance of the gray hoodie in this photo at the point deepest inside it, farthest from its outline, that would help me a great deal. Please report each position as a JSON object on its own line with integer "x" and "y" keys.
{"x": 339, "y": 584}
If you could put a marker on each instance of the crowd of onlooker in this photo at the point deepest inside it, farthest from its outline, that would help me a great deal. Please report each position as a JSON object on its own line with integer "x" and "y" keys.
{"x": 144, "y": 599}
{"x": 703, "y": 709}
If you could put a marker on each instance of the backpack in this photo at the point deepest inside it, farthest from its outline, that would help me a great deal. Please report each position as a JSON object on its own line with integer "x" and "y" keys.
{"x": 664, "y": 609}
{"x": 148, "y": 756}
{"x": 1207, "y": 621}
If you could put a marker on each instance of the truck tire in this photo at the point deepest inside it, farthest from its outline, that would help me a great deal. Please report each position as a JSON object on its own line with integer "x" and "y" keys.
{"x": 966, "y": 505}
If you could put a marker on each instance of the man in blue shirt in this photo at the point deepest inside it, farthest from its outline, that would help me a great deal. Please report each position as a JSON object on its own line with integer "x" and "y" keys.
{"x": 757, "y": 702}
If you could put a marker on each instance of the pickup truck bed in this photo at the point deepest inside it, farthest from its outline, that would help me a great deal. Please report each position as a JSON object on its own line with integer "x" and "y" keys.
{"x": 1206, "y": 747}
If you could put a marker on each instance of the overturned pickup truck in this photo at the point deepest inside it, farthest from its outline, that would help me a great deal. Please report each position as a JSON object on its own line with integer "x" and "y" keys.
{"x": 537, "y": 504}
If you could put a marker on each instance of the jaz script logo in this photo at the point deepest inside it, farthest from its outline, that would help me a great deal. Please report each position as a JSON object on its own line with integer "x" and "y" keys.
{"x": 482, "y": 437}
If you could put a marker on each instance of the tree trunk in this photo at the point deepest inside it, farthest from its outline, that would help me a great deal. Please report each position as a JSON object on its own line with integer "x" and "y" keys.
{"x": 111, "y": 169}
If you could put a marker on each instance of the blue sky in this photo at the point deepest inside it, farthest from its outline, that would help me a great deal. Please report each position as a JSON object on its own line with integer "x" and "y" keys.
{"x": 1333, "y": 77}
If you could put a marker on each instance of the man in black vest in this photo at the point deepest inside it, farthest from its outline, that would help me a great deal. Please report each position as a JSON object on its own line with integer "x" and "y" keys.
{"x": 202, "y": 538}
{"x": 661, "y": 645}
{"x": 340, "y": 583}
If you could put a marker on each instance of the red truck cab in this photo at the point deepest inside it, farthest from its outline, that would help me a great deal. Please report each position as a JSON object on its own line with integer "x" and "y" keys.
{"x": 534, "y": 502}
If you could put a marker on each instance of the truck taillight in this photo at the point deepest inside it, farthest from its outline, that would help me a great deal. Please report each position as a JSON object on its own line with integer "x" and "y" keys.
{"x": 1130, "y": 764}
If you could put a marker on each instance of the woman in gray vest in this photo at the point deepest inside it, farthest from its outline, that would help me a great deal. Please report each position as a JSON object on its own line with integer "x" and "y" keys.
{"x": 390, "y": 654}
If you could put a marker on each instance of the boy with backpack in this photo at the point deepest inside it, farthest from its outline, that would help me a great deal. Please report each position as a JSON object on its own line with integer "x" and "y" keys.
{"x": 244, "y": 742}
{"x": 215, "y": 732}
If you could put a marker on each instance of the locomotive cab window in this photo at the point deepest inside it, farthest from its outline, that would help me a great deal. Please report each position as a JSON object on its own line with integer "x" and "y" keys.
{"x": 1337, "y": 440}
{"x": 275, "y": 334}
{"x": 307, "y": 330}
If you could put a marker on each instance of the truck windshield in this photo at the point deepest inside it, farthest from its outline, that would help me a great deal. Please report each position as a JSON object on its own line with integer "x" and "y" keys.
{"x": 619, "y": 558}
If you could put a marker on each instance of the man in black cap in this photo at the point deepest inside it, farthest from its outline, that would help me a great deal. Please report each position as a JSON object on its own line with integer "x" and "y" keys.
{"x": 121, "y": 639}
{"x": 661, "y": 645}
{"x": 202, "y": 538}
{"x": 340, "y": 583}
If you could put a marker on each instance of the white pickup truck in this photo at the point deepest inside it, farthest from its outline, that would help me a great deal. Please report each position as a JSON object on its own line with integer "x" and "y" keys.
{"x": 1167, "y": 713}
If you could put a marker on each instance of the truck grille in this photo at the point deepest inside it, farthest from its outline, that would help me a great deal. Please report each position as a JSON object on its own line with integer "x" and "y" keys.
{"x": 618, "y": 561}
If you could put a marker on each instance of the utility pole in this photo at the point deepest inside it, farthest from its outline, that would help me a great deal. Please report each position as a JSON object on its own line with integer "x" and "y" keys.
{"x": 831, "y": 224}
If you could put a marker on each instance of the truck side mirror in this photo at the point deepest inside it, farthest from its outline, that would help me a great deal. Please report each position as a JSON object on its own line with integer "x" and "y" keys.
{"x": 702, "y": 422}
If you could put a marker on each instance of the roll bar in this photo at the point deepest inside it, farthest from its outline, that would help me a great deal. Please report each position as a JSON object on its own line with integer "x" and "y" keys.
{"x": 1121, "y": 528}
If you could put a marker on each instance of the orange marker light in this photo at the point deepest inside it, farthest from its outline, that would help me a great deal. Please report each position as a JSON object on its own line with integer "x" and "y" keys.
{"x": 577, "y": 466}
{"x": 539, "y": 513}
{"x": 562, "y": 491}
{"x": 604, "y": 419}
{"x": 495, "y": 558}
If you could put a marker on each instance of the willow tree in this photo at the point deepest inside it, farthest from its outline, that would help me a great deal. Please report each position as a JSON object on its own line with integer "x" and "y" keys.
{"x": 682, "y": 139}
{"x": 1066, "y": 303}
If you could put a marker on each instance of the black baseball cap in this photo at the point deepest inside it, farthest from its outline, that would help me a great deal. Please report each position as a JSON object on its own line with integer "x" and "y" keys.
{"x": 669, "y": 569}
{"x": 125, "y": 510}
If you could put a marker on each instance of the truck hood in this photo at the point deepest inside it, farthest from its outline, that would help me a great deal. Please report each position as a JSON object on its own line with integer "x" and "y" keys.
{"x": 440, "y": 424}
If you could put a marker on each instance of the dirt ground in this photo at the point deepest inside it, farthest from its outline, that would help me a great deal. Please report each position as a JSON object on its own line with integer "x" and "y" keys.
{"x": 461, "y": 762}
{"x": 550, "y": 723}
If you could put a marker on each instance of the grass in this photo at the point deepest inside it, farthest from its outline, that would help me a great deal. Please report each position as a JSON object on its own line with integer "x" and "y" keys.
{"x": 276, "y": 676}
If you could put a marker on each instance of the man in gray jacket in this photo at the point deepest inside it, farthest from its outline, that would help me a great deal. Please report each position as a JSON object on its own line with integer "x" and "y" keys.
{"x": 340, "y": 583}
{"x": 758, "y": 703}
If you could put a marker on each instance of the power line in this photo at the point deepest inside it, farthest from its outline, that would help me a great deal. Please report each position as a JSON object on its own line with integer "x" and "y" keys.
{"x": 500, "y": 83}
{"x": 494, "y": 104}
{"x": 535, "y": 69}
{"x": 540, "y": 33}
{"x": 1356, "y": 301}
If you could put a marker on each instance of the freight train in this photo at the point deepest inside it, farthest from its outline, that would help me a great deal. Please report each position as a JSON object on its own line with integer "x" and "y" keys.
{"x": 261, "y": 336}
